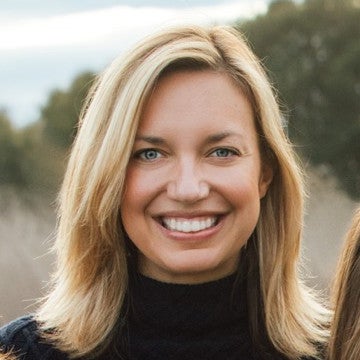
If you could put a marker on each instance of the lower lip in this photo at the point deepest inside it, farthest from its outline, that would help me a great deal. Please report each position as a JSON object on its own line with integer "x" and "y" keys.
{"x": 192, "y": 236}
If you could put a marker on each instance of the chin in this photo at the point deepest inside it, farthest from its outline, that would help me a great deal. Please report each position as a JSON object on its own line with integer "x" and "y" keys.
{"x": 196, "y": 269}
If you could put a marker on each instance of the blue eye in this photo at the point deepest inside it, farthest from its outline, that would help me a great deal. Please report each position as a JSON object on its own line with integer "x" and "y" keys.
{"x": 148, "y": 154}
{"x": 223, "y": 152}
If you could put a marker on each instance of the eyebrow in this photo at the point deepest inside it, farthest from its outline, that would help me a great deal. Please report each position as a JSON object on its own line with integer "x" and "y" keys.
{"x": 155, "y": 140}
{"x": 211, "y": 139}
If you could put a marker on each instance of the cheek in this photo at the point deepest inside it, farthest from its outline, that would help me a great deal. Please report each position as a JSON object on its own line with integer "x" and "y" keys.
{"x": 240, "y": 184}
{"x": 245, "y": 198}
{"x": 140, "y": 188}
{"x": 135, "y": 185}
{"x": 131, "y": 204}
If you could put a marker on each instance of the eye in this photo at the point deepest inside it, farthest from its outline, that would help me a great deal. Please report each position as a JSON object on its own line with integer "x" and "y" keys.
{"x": 223, "y": 152}
{"x": 148, "y": 154}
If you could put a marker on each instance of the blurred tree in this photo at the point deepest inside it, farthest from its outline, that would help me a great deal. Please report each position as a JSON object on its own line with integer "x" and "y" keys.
{"x": 312, "y": 51}
{"x": 45, "y": 143}
{"x": 33, "y": 158}
{"x": 281, "y": 6}
{"x": 10, "y": 153}
{"x": 42, "y": 163}
{"x": 61, "y": 113}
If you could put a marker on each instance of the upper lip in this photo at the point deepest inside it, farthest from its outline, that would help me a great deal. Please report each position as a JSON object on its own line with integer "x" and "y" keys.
{"x": 190, "y": 214}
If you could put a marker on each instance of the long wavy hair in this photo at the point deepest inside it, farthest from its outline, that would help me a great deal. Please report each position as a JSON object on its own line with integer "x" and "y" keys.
{"x": 7, "y": 356}
{"x": 345, "y": 331}
{"x": 91, "y": 281}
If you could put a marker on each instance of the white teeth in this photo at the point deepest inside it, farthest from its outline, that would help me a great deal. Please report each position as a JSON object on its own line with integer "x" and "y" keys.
{"x": 188, "y": 225}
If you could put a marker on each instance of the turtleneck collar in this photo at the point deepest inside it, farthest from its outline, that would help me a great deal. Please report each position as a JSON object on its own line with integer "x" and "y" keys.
{"x": 182, "y": 304}
{"x": 188, "y": 320}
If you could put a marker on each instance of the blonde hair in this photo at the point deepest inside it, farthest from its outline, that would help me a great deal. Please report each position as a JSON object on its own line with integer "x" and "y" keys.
{"x": 91, "y": 280}
{"x": 7, "y": 356}
{"x": 345, "y": 331}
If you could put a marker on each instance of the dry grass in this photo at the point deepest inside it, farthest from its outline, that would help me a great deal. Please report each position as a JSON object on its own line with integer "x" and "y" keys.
{"x": 26, "y": 234}
{"x": 328, "y": 215}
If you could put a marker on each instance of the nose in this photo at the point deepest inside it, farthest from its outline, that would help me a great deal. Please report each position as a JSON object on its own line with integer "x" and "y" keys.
{"x": 186, "y": 184}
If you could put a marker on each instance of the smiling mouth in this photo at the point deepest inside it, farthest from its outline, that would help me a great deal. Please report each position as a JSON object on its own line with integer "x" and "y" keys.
{"x": 189, "y": 225}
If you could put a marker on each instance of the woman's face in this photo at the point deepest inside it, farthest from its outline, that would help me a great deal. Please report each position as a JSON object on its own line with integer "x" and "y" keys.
{"x": 195, "y": 180}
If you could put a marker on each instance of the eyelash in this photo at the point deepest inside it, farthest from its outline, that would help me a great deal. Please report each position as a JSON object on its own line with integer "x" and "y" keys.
{"x": 230, "y": 152}
{"x": 141, "y": 154}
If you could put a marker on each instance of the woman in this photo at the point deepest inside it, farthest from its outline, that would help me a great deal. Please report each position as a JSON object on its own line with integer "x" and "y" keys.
{"x": 180, "y": 214}
{"x": 345, "y": 332}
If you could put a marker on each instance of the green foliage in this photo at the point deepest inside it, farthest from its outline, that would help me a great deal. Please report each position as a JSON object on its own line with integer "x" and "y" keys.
{"x": 10, "y": 153}
{"x": 312, "y": 51}
{"x": 61, "y": 113}
{"x": 42, "y": 163}
{"x": 33, "y": 158}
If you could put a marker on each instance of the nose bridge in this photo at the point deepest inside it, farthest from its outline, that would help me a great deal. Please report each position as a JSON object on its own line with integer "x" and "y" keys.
{"x": 188, "y": 174}
{"x": 187, "y": 182}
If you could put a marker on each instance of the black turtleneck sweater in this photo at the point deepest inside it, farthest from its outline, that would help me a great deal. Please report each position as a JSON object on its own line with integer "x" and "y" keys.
{"x": 173, "y": 321}
{"x": 163, "y": 321}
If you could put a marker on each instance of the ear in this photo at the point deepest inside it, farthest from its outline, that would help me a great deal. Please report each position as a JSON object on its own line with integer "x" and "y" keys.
{"x": 265, "y": 179}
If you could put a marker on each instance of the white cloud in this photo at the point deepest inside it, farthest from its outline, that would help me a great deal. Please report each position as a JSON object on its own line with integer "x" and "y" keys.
{"x": 95, "y": 26}
{"x": 38, "y": 54}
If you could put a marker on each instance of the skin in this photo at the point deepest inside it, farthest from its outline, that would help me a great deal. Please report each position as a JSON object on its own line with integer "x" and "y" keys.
{"x": 196, "y": 158}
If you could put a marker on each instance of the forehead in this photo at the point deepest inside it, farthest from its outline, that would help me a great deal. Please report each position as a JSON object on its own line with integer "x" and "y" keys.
{"x": 189, "y": 100}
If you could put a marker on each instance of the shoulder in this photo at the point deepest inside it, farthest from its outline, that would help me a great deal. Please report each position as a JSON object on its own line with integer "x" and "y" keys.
{"x": 21, "y": 336}
{"x": 17, "y": 328}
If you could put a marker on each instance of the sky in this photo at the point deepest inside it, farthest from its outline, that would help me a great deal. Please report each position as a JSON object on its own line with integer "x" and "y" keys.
{"x": 45, "y": 44}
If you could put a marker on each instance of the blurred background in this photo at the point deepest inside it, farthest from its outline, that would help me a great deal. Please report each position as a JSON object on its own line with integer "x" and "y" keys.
{"x": 51, "y": 51}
